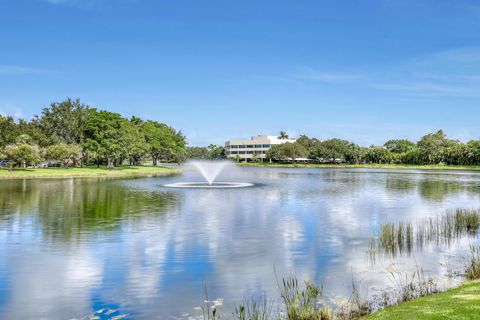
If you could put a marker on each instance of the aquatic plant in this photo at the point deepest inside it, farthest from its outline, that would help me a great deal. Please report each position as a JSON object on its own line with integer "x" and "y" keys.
{"x": 357, "y": 306}
{"x": 411, "y": 285}
{"x": 254, "y": 309}
{"x": 396, "y": 238}
{"x": 473, "y": 269}
{"x": 401, "y": 237}
{"x": 301, "y": 303}
{"x": 209, "y": 310}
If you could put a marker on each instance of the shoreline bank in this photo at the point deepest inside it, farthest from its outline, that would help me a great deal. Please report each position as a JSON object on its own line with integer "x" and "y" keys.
{"x": 363, "y": 166}
{"x": 87, "y": 172}
{"x": 457, "y": 303}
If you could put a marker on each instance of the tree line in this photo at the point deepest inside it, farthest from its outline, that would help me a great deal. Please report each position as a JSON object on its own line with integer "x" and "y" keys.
{"x": 433, "y": 148}
{"x": 70, "y": 133}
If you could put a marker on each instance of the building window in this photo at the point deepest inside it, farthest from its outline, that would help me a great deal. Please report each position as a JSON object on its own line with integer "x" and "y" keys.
{"x": 266, "y": 146}
{"x": 241, "y": 152}
{"x": 258, "y": 146}
{"x": 250, "y": 146}
{"x": 233, "y": 152}
{"x": 241, "y": 146}
{"x": 234, "y": 146}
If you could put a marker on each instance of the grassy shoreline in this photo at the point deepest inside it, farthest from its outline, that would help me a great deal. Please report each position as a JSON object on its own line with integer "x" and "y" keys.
{"x": 93, "y": 172}
{"x": 462, "y": 302}
{"x": 363, "y": 166}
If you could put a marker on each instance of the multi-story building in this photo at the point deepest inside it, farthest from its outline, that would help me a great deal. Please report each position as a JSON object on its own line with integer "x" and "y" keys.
{"x": 256, "y": 147}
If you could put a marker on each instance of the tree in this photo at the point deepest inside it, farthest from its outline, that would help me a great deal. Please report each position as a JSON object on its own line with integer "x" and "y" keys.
{"x": 164, "y": 142}
{"x": 23, "y": 139}
{"x": 283, "y": 135}
{"x": 64, "y": 154}
{"x": 399, "y": 145}
{"x": 216, "y": 152}
{"x": 22, "y": 154}
{"x": 354, "y": 154}
{"x": 36, "y": 132}
{"x": 65, "y": 120}
{"x": 308, "y": 143}
{"x": 287, "y": 152}
{"x": 57, "y": 152}
{"x": 8, "y": 131}
{"x": 473, "y": 154}
{"x": 133, "y": 143}
{"x": 378, "y": 155}
{"x": 197, "y": 153}
{"x": 103, "y": 135}
{"x": 432, "y": 147}
{"x": 332, "y": 150}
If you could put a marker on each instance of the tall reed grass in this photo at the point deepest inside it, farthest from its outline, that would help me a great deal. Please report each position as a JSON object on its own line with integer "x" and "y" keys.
{"x": 301, "y": 302}
{"x": 402, "y": 237}
{"x": 473, "y": 268}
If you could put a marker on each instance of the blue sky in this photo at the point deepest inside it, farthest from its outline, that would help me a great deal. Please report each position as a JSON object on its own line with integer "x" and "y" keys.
{"x": 361, "y": 70}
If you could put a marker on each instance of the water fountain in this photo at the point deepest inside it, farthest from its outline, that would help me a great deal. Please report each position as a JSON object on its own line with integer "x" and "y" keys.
{"x": 210, "y": 170}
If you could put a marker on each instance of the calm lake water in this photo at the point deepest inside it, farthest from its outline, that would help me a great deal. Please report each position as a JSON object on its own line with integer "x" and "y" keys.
{"x": 73, "y": 246}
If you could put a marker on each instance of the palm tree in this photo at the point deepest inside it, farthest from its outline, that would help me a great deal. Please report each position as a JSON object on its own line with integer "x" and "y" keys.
{"x": 283, "y": 135}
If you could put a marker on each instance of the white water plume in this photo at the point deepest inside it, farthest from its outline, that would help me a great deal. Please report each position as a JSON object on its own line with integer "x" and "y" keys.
{"x": 210, "y": 169}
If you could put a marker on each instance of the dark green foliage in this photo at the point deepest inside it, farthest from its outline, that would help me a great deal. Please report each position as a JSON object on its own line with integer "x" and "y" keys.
{"x": 65, "y": 120}
{"x": 431, "y": 149}
{"x": 399, "y": 145}
{"x": 211, "y": 152}
{"x": 164, "y": 142}
{"x": 287, "y": 152}
{"x": 72, "y": 133}
{"x": 378, "y": 155}
{"x": 8, "y": 131}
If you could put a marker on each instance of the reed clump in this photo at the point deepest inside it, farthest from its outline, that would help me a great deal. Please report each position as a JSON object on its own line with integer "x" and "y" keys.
{"x": 254, "y": 309}
{"x": 301, "y": 302}
{"x": 395, "y": 238}
{"x": 357, "y": 306}
{"x": 409, "y": 286}
{"x": 473, "y": 269}
{"x": 401, "y": 237}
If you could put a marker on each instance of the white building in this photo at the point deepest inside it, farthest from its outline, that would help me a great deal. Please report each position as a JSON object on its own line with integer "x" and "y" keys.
{"x": 254, "y": 147}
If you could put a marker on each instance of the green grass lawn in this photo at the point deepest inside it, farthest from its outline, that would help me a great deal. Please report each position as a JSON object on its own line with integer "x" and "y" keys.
{"x": 460, "y": 303}
{"x": 125, "y": 171}
{"x": 367, "y": 166}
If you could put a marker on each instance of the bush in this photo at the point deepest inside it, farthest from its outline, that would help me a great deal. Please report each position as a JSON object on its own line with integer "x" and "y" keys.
{"x": 64, "y": 153}
{"x": 23, "y": 154}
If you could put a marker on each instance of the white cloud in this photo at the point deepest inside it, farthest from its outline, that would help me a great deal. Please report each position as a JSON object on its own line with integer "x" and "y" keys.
{"x": 16, "y": 70}
{"x": 88, "y": 4}
{"x": 448, "y": 73}
{"x": 8, "y": 109}
{"x": 327, "y": 77}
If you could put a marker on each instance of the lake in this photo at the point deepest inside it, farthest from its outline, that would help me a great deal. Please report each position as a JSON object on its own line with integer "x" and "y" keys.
{"x": 69, "y": 247}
